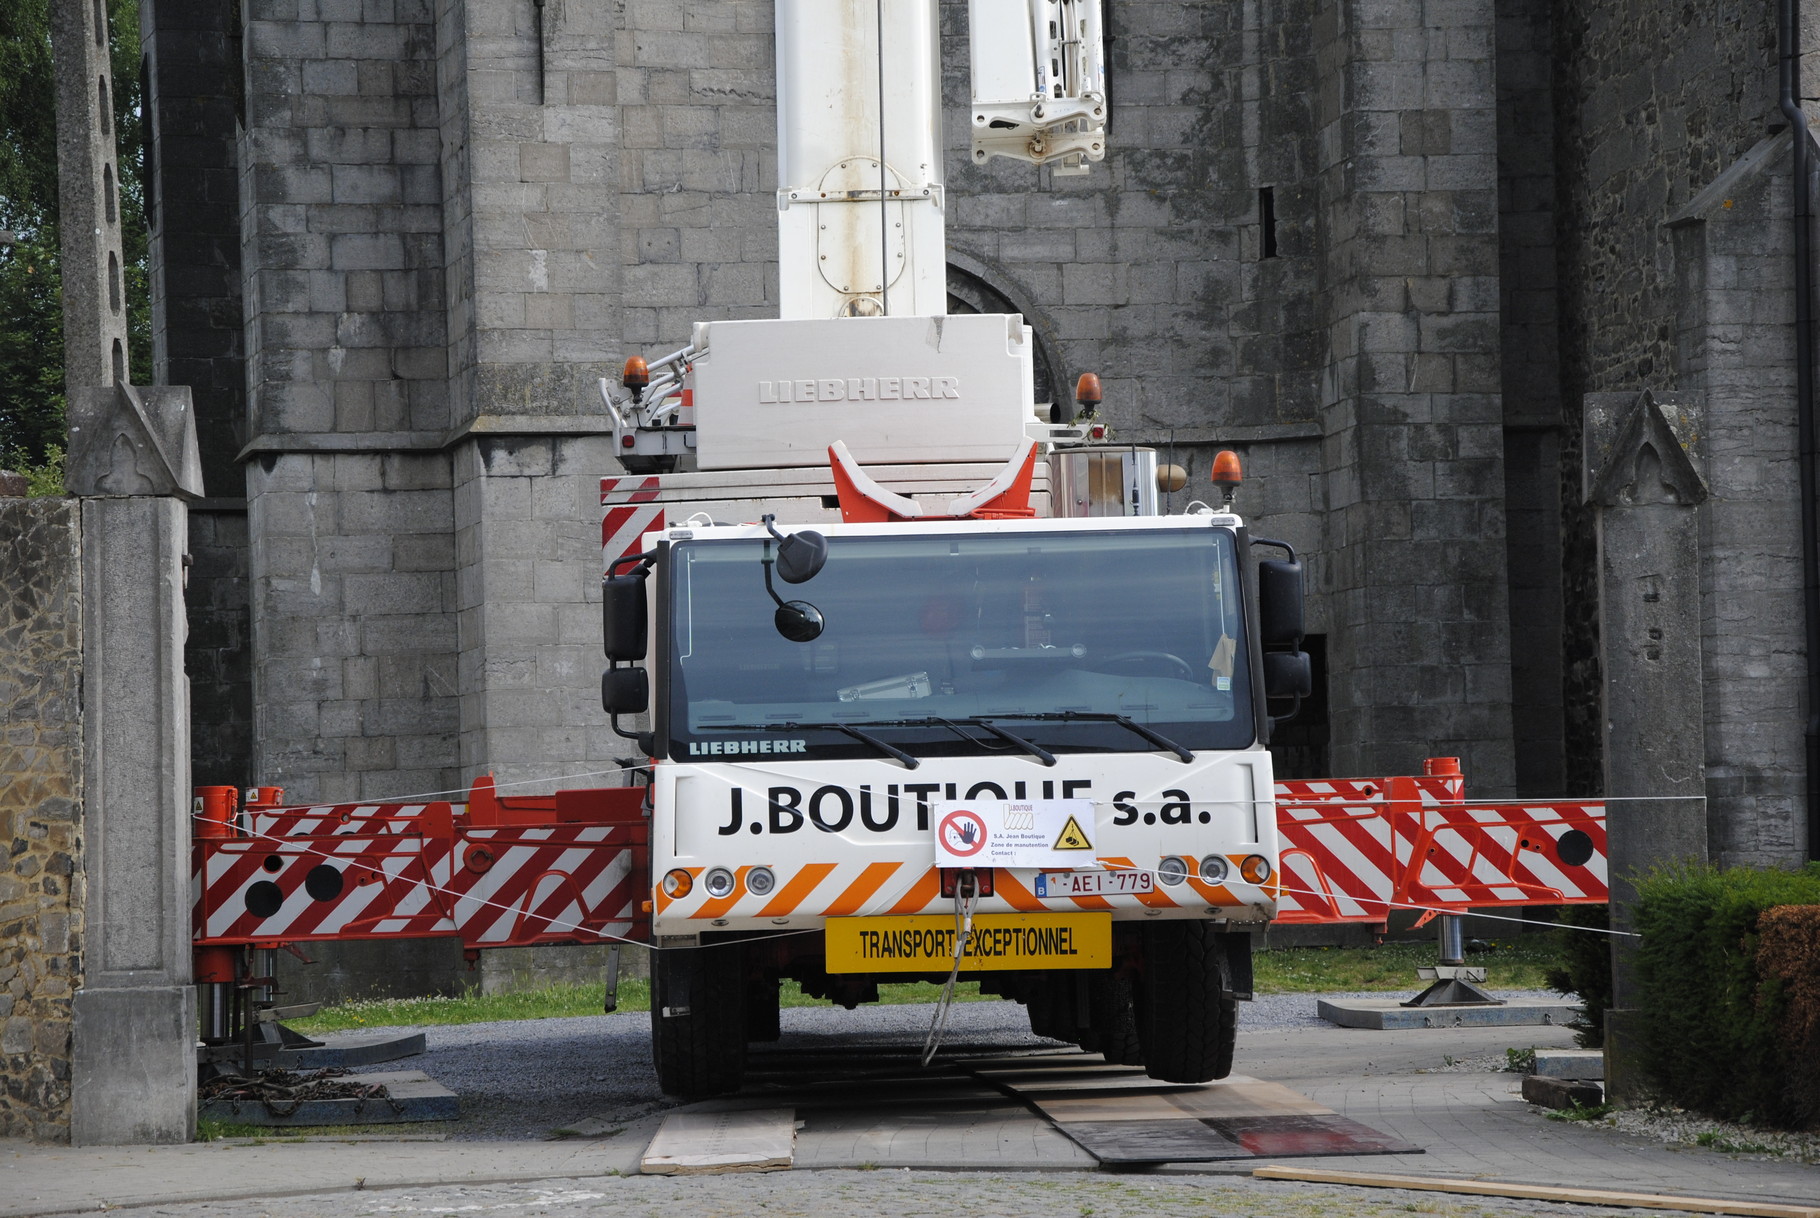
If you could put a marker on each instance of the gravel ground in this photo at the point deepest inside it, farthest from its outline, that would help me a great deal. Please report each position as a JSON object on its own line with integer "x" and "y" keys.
{"x": 527, "y": 1078}
{"x": 887, "y": 1194}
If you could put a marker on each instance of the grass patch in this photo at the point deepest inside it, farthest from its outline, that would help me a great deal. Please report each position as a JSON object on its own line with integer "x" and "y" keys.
{"x": 215, "y": 1129}
{"x": 558, "y": 1002}
{"x": 1510, "y": 964}
{"x": 1513, "y": 964}
{"x": 1580, "y": 1112}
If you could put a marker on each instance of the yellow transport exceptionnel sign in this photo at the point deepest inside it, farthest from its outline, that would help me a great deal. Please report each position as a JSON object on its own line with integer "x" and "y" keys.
{"x": 924, "y": 943}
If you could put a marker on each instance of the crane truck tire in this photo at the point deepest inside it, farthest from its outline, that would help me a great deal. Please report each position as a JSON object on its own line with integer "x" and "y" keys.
{"x": 1186, "y": 1016}
{"x": 1111, "y": 1002}
{"x": 698, "y": 1019}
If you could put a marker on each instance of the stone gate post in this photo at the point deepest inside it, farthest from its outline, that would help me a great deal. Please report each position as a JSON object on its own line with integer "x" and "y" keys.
{"x": 1646, "y": 495}
{"x": 132, "y": 461}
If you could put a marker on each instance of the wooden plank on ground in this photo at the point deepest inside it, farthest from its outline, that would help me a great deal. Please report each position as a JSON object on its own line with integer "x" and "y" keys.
{"x": 707, "y": 1143}
{"x": 1542, "y": 1192}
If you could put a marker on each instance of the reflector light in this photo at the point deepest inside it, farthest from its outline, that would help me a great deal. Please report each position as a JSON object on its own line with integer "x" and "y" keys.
{"x": 626, "y": 441}
{"x": 677, "y": 883}
{"x": 1097, "y": 432}
{"x": 1255, "y": 869}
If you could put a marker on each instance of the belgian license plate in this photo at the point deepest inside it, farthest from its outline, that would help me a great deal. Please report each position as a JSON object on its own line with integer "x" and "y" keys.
{"x": 1092, "y": 883}
{"x": 924, "y": 943}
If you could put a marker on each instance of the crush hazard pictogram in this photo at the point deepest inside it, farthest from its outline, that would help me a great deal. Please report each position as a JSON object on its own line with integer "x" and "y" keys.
{"x": 1071, "y": 837}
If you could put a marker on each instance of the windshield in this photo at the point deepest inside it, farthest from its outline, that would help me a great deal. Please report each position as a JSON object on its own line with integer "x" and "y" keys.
{"x": 929, "y": 638}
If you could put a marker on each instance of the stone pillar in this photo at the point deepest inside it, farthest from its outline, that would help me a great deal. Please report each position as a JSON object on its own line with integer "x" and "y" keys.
{"x": 88, "y": 193}
{"x": 133, "y": 1068}
{"x": 1646, "y": 493}
{"x": 1411, "y": 414}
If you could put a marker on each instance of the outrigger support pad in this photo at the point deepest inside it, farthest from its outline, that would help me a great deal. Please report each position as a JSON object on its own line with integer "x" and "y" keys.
{"x": 1455, "y": 984}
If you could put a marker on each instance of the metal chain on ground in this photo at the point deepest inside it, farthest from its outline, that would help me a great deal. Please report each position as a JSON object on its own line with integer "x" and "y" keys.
{"x": 283, "y": 1092}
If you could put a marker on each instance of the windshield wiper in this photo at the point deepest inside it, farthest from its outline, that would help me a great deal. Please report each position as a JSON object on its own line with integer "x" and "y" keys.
{"x": 889, "y": 750}
{"x": 1035, "y": 750}
{"x": 1131, "y": 725}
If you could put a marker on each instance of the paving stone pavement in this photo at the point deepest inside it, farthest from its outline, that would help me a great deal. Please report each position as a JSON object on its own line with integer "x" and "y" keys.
{"x": 1472, "y": 1124}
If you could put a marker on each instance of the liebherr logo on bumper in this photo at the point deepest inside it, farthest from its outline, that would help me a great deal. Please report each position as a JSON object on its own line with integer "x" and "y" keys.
{"x": 860, "y": 389}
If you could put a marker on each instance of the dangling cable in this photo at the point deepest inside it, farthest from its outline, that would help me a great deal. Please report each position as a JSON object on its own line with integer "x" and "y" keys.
{"x": 884, "y": 234}
{"x": 966, "y": 896}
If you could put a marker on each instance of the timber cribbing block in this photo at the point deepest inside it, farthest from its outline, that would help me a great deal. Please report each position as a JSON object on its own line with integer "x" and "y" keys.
{"x": 1542, "y": 1192}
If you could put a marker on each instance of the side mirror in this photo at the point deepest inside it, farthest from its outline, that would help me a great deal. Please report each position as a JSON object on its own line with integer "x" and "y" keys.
{"x": 1288, "y": 674}
{"x": 799, "y": 621}
{"x": 800, "y": 555}
{"x": 624, "y": 691}
{"x": 623, "y": 624}
{"x": 1281, "y": 620}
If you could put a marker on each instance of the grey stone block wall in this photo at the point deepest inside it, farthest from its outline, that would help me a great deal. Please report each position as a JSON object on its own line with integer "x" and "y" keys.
{"x": 694, "y": 82}
{"x": 1652, "y": 105}
{"x": 1412, "y": 417}
{"x": 528, "y": 590}
{"x": 1530, "y": 381}
{"x": 193, "y": 86}
{"x": 531, "y": 167}
{"x": 41, "y": 897}
{"x": 1735, "y": 350}
{"x": 218, "y": 655}
{"x": 355, "y": 671}
{"x": 341, "y": 215}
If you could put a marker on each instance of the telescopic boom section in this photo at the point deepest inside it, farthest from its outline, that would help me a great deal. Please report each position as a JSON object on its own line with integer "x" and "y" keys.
{"x": 859, "y": 159}
{"x": 859, "y": 146}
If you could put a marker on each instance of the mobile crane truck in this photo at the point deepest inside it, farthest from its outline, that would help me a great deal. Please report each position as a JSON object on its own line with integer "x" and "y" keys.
{"x": 933, "y": 690}
{"x": 992, "y": 716}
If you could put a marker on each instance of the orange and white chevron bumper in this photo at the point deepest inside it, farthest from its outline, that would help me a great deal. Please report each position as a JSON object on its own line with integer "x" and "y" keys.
{"x": 775, "y": 843}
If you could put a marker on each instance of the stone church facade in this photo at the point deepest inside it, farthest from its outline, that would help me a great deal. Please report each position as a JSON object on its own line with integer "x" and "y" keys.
{"x": 1382, "y": 248}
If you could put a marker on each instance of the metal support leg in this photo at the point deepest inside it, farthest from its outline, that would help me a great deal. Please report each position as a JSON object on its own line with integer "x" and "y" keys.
{"x": 612, "y": 999}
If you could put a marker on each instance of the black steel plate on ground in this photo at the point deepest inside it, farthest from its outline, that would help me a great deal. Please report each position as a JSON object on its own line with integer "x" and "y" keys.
{"x": 1120, "y": 1116}
{"x": 1124, "y": 1142}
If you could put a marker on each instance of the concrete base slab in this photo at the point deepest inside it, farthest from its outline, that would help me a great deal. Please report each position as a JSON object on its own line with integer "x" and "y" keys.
{"x": 410, "y": 1096}
{"x": 1571, "y": 1063}
{"x": 1383, "y": 1014}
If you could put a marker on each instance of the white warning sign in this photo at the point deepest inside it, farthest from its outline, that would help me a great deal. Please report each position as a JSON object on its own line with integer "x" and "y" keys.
{"x": 1005, "y": 833}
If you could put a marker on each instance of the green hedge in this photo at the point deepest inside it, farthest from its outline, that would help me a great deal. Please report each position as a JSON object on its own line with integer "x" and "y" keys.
{"x": 1710, "y": 1021}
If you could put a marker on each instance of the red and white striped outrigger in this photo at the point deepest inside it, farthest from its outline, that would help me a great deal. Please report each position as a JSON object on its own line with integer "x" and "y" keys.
{"x": 1355, "y": 849}
{"x": 492, "y": 872}
{"x": 574, "y": 867}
